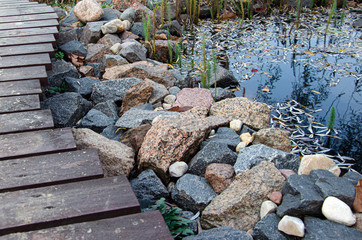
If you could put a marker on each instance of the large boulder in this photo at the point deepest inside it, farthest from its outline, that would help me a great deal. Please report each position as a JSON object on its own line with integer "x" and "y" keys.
{"x": 273, "y": 137}
{"x": 88, "y": 11}
{"x": 238, "y": 206}
{"x": 91, "y": 32}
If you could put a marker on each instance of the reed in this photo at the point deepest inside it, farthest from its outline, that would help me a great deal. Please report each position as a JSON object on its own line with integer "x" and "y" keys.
{"x": 333, "y": 10}
{"x": 298, "y": 13}
{"x": 332, "y": 118}
{"x": 170, "y": 52}
{"x": 214, "y": 68}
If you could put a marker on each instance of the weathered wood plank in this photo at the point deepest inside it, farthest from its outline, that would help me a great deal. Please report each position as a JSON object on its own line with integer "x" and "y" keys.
{"x": 49, "y": 169}
{"x": 32, "y": 24}
{"x": 17, "y": 145}
{"x": 20, "y": 5}
{"x": 23, "y": 18}
{"x": 28, "y": 32}
{"x": 66, "y": 204}
{"x": 27, "y": 49}
{"x": 17, "y": 88}
{"x": 19, "y": 103}
{"x": 25, "y": 11}
{"x": 145, "y": 226}
{"x": 26, "y": 60}
{"x": 15, "y": 41}
{"x": 26, "y": 121}
{"x": 16, "y": 74}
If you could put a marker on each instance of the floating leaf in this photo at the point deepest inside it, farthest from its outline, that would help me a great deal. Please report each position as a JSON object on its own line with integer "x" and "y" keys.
{"x": 316, "y": 92}
{"x": 357, "y": 203}
{"x": 254, "y": 70}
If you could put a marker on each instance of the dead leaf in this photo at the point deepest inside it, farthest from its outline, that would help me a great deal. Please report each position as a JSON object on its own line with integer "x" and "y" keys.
{"x": 357, "y": 203}
{"x": 266, "y": 89}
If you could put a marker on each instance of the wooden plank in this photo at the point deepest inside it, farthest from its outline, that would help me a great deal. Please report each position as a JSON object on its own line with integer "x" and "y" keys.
{"x": 25, "y": 11}
{"x": 49, "y": 169}
{"x": 19, "y": 103}
{"x": 27, "y": 49}
{"x": 32, "y": 24}
{"x": 15, "y": 4}
{"x": 23, "y": 18}
{"x": 26, "y": 121}
{"x": 145, "y": 226}
{"x": 28, "y": 32}
{"x": 17, "y": 88}
{"x": 14, "y": 41}
{"x": 21, "y": 5}
{"x": 16, "y": 74}
{"x": 26, "y": 60}
{"x": 17, "y": 145}
{"x": 66, "y": 204}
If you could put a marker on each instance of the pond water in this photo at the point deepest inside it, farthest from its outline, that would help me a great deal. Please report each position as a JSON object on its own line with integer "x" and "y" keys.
{"x": 275, "y": 63}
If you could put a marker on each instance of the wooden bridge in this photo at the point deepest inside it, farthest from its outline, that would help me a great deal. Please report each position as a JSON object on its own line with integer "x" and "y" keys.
{"x": 48, "y": 188}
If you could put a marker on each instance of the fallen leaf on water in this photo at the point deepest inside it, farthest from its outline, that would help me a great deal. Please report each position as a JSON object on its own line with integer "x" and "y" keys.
{"x": 254, "y": 70}
{"x": 316, "y": 92}
{"x": 266, "y": 89}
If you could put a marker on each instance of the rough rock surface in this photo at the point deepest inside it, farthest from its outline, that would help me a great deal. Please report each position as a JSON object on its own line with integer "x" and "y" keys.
{"x": 158, "y": 93}
{"x": 128, "y": 14}
{"x": 222, "y": 93}
{"x": 317, "y": 161}
{"x": 134, "y": 137}
{"x": 219, "y": 176}
{"x": 109, "y": 108}
{"x": 60, "y": 70}
{"x": 91, "y": 33}
{"x": 122, "y": 5}
{"x": 224, "y": 78}
{"x": 240, "y": 209}
{"x": 133, "y": 51}
{"x": 74, "y": 47}
{"x": 109, "y": 40}
{"x": 221, "y": 233}
{"x": 96, "y": 120}
{"x": 267, "y": 229}
{"x": 194, "y": 97}
{"x": 226, "y": 136}
{"x": 116, "y": 26}
{"x": 113, "y": 60}
{"x": 83, "y": 86}
{"x": 254, "y": 114}
{"x": 88, "y": 11}
{"x": 96, "y": 52}
{"x": 116, "y": 158}
{"x": 274, "y": 138}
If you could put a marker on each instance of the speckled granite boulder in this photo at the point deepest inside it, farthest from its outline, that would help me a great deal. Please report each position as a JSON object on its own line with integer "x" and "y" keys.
{"x": 194, "y": 97}
{"x": 274, "y": 138}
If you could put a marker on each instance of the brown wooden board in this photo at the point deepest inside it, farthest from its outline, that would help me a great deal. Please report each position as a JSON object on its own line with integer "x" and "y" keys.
{"x": 20, "y": 5}
{"x": 66, "y": 204}
{"x": 140, "y": 226}
{"x": 17, "y": 88}
{"x": 16, "y": 74}
{"x": 32, "y": 24}
{"x": 17, "y": 145}
{"x": 19, "y": 103}
{"x": 28, "y": 32}
{"x": 49, "y": 169}
{"x": 25, "y": 11}
{"x": 15, "y": 41}
{"x": 34, "y": 17}
{"x": 26, "y": 121}
{"x": 26, "y": 60}
{"x": 27, "y": 49}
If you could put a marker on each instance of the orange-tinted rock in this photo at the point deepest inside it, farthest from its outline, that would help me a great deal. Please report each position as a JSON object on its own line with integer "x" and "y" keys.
{"x": 276, "y": 197}
{"x": 96, "y": 52}
{"x": 219, "y": 176}
{"x": 274, "y": 138}
{"x": 162, "y": 49}
{"x": 194, "y": 97}
{"x": 86, "y": 71}
{"x": 286, "y": 172}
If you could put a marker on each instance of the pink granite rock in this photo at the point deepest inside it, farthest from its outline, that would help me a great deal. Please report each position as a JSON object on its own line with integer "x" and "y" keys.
{"x": 219, "y": 176}
{"x": 194, "y": 97}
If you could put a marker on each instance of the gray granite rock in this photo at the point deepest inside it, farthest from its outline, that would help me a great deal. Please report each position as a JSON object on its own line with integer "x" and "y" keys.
{"x": 133, "y": 52}
{"x": 113, "y": 60}
{"x": 224, "y": 78}
{"x": 182, "y": 80}
{"x": 267, "y": 229}
{"x": 174, "y": 90}
{"x": 60, "y": 12}
{"x": 74, "y": 47}
{"x": 96, "y": 120}
{"x": 112, "y": 89}
{"x": 251, "y": 156}
{"x": 83, "y": 86}
{"x": 138, "y": 29}
{"x": 192, "y": 193}
{"x": 60, "y": 70}
{"x": 221, "y": 93}
{"x": 148, "y": 188}
{"x": 110, "y": 14}
{"x": 193, "y": 225}
{"x": 67, "y": 108}
{"x": 69, "y": 19}
{"x": 92, "y": 32}
{"x": 128, "y": 14}
{"x": 112, "y": 132}
{"x": 221, "y": 233}
{"x": 224, "y": 135}
{"x": 175, "y": 28}
{"x": 97, "y": 67}
{"x": 246, "y": 129}
{"x": 352, "y": 177}
{"x": 109, "y": 108}
{"x": 213, "y": 152}
{"x": 69, "y": 35}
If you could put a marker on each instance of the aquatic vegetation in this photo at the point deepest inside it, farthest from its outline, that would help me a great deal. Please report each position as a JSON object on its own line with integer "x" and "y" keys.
{"x": 332, "y": 118}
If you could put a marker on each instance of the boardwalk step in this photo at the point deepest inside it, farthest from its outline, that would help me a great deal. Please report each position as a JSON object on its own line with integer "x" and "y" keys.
{"x": 66, "y": 204}
{"x": 16, "y": 41}
{"x": 21, "y": 5}
{"x": 32, "y": 24}
{"x": 25, "y": 11}
{"x": 33, "y": 17}
{"x": 17, "y": 88}
{"x": 145, "y": 226}
{"x": 50, "y": 169}
{"x": 15, "y": 74}
{"x": 26, "y": 60}
{"x": 17, "y": 145}
{"x": 26, "y": 121}
{"x": 28, "y": 32}
{"x": 19, "y": 103}
{"x": 27, "y": 49}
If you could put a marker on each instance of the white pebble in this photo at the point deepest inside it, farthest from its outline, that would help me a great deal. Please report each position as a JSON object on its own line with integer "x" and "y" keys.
{"x": 178, "y": 169}
{"x": 267, "y": 207}
{"x": 240, "y": 146}
{"x": 337, "y": 211}
{"x": 291, "y": 226}
{"x": 236, "y": 125}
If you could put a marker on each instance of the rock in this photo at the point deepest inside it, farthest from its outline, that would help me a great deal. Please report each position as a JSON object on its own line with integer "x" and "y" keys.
{"x": 74, "y": 47}
{"x": 137, "y": 94}
{"x": 224, "y": 78}
{"x": 86, "y": 71}
{"x": 192, "y": 193}
{"x": 246, "y": 138}
{"x": 174, "y": 27}
{"x": 60, "y": 70}
{"x": 126, "y": 35}
{"x": 142, "y": 10}
{"x": 236, "y": 125}
{"x": 110, "y": 14}
{"x": 133, "y": 52}
{"x": 286, "y": 172}
{"x": 68, "y": 35}
{"x": 182, "y": 79}
{"x": 213, "y": 152}
{"x": 173, "y": 139}
{"x": 291, "y": 226}
{"x": 219, "y": 176}
{"x": 273, "y": 137}
{"x": 357, "y": 24}
{"x": 67, "y": 108}
{"x": 88, "y": 11}
{"x": 96, "y": 53}
{"x": 97, "y": 69}
{"x": 60, "y": 12}
{"x": 276, "y": 197}
{"x": 192, "y": 225}
{"x": 148, "y": 188}
{"x": 115, "y": 49}
{"x": 246, "y": 129}
{"x": 358, "y": 224}
{"x": 224, "y": 135}
{"x": 225, "y": 232}
{"x": 116, "y": 158}
{"x": 91, "y": 32}
{"x": 174, "y": 90}
{"x": 251, "y": 156}
{"x": 96, "y": 120}
{"x": 267, "y": 229}
{"x": 352, "y": 176}
{"x": 253, "y": 114}
{"x": 129, "y": 14}
{"x": 240, "y": 146}
{"x": 318, "y": 229}
{"x": 267, "y": 207}
{"x": 336, "y": 210}
{"x": 113, "y": 60}
{"x": 159, "y": 92}
{"x": 122, "y": 5}
{"x": 178, "y": 169}
{"x": 194, "y": 97}
{"x": 138, "y": 30}
{"x": 221, "y": 93}
{"x": 109, "y": 108}
{"x": 116, "y": 26}
{"x": 109, "y": 40}
{"x": 240, "y": 209}
{"x": 170, "y": 99}
{"x": 112, "y": 132}
{"x": 317, "y": 161}
{"x": 83, "y": 86}
{"x": 162, "y": 49}
{"x": 112, "y": 89}
{"x": 134, "y": 137}
{"x": 69, "y": 20}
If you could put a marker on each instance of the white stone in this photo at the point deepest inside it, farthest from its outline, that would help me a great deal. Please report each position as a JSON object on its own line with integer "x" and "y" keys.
{"x": 115, "y": 26}
{"x": 267, "y": 207}
{"x": 88, "y": 11}
{"x": 166, "y": 106}
{"x": 127, "y": 25}
{"x": 178, "y": 169}
{"x": 247, "y": 138}
{"x": 240, "y": 146}
{"x": 236, "y": 125}
{"x": 170, "y": 99}
{"x": 116, "y": 48}
{"x": 337, "y": 211}
{"x": 317, "y": 161}
{"x": 291, "y": 226}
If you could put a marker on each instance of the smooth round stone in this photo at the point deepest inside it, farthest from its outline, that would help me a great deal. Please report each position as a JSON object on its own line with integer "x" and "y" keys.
{"x": 291, "y": 226}
{"x": 337, "y": 211}
{"x": 267, "y": 207}
{"x": 236, "y": 125}
{"x": 240, "y": 146}
{"x": 178, "y": 169}
{"x": 170, "y": 99}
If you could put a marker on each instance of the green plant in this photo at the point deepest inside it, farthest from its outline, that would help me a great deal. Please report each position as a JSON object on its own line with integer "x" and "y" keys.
{"x": 105, "y": 5}
{"x": 333, "y": 11}
{"x": 63, "y": 88}
{"x": 177, "y": 225}
{"x": 332, "y": 118}
{"x": 204, "y": 74}
{"x": 178, "y": 54}
{"x": 147, "y": 27}
{"x": 170, "y": 51}
{"x": 59, "y": 55}
{"x": 214, "y": 68}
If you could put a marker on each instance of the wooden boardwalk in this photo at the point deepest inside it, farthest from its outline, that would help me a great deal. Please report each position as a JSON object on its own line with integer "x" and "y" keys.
{"x": 48, "y": 188}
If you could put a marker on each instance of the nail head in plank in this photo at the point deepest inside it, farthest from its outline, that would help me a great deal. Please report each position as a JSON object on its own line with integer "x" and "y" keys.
{"x": 66, "y": 204}
{"x": 28, "y": 32}
{"x": 17, "y": 88}
{"x": 23, "y": 18}
{"x": 19, "y": 103}
{"x": 33, "y": 143}
{"x": 32, "y": 24}
{"x": 26, "y": 121}
{"x": 26, "y": 60}
{"x": 25, "y": 11}
{"x": 15, "y": 41}
{"x": 16, "y": 74}
{"x": 50, "y": 169}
